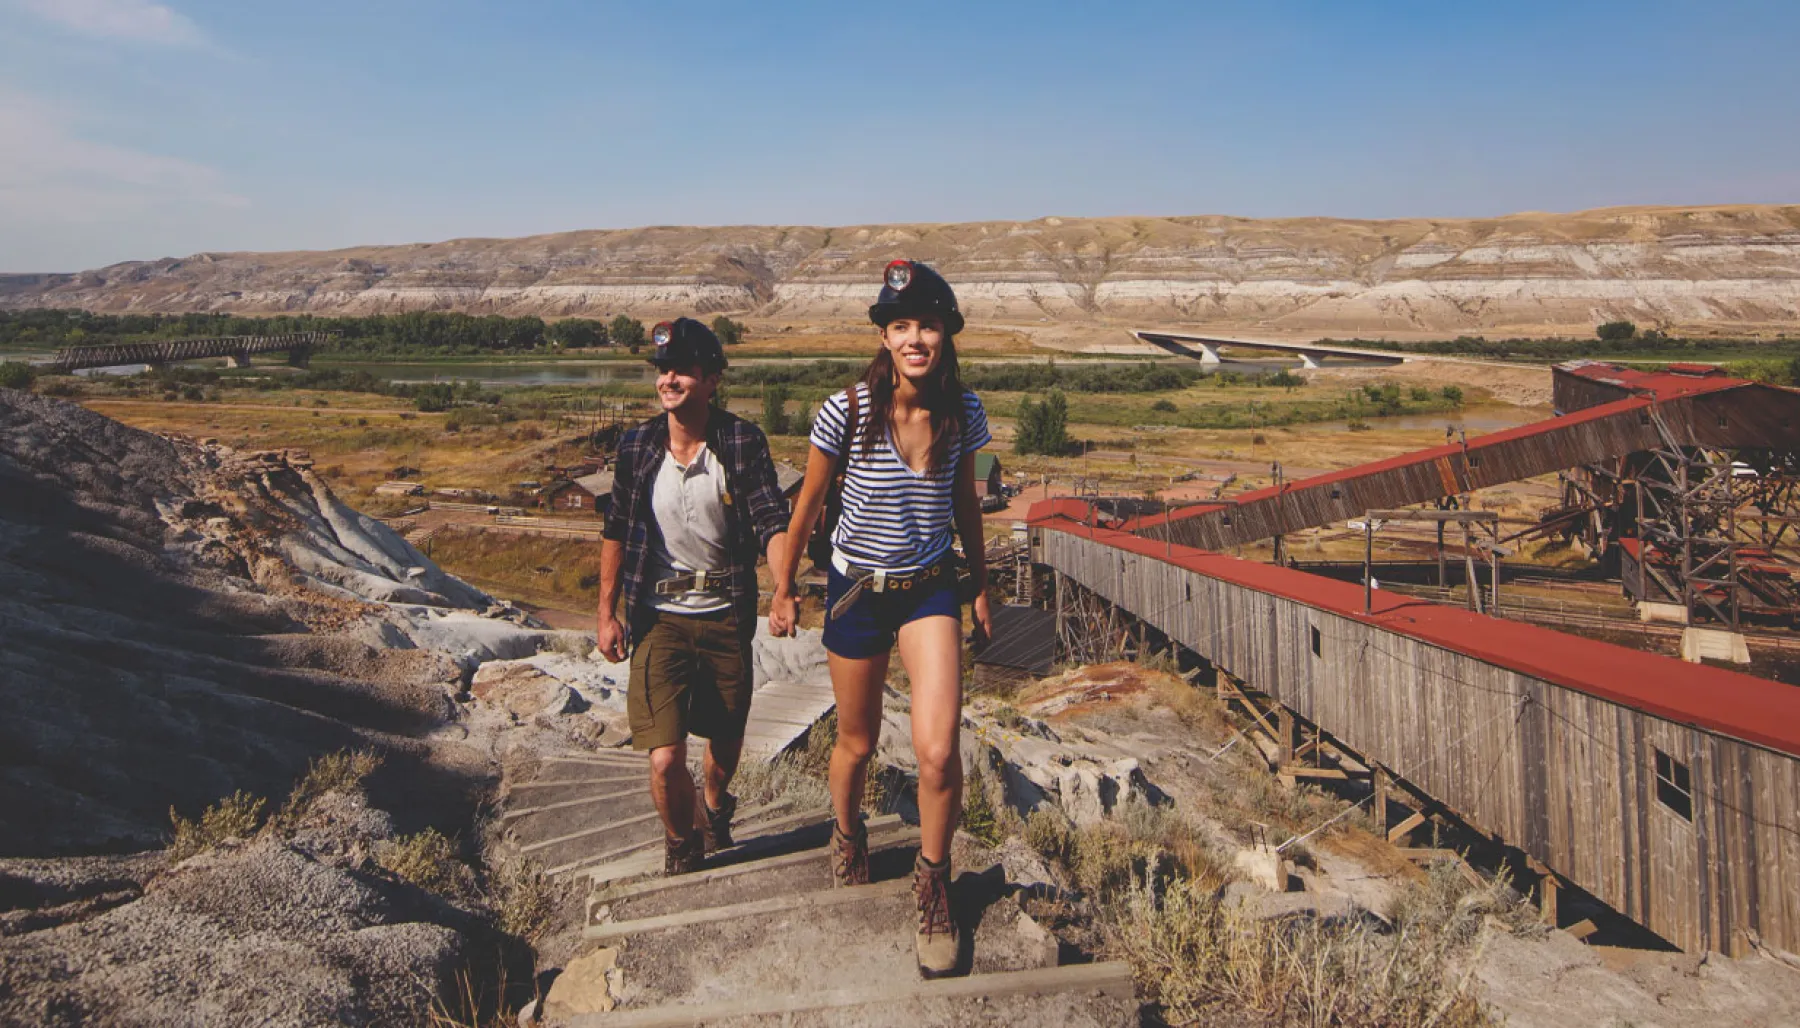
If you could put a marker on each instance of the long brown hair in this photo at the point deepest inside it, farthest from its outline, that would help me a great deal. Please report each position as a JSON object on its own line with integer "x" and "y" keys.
{"x": 941, "y": 392}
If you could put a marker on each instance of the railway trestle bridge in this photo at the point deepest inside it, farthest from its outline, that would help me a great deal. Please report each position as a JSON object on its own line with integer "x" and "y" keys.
{"x": 236, "y": 350}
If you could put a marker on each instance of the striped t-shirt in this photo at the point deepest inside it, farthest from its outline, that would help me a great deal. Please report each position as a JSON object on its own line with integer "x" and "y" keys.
{"x": 893, "y": 517}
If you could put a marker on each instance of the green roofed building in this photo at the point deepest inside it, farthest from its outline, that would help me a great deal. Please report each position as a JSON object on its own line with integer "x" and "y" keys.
{"x": 988, "y": 480}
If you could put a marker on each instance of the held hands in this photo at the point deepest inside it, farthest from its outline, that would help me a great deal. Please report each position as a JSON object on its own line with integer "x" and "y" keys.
{"x": 609, "y": 637}
{"x": 784, "y": 614}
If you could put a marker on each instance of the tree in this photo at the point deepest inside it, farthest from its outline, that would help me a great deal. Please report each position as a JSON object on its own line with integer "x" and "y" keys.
{"x": 1616, "y": 331}
{"x": 730, "y": 332}
{"x": 1043, "y": 427}
{"x": 17, "y": 375}
{"x": 434, "y": 396}
{"x": 627, "y": 331}
{"x": 578, "y": 333}
{"x": 774, "y": 410}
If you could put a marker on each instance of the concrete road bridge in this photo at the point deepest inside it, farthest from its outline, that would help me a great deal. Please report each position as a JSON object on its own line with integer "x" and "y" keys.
{"x": 237, "y": 351}
{"x": 1206, "y": 348}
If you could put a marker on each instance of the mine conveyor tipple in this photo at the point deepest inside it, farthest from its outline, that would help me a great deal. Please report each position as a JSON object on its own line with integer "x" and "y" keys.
{"x": 1612, "y": 423}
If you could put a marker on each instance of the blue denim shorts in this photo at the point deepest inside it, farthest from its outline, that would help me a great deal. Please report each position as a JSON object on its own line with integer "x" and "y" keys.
{"x": 870, "y": 626}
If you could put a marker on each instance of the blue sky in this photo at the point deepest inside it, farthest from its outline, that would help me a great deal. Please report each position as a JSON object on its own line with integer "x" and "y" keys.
{"x": 137, "y": 129}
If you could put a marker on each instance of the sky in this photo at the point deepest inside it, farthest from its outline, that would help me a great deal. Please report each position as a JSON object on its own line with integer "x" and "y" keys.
{"x": 134, "y": 129}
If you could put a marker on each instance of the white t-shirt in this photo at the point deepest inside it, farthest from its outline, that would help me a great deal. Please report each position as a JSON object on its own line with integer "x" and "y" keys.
{"x": 894, "y": 517}
{"x": 689, "y": 506}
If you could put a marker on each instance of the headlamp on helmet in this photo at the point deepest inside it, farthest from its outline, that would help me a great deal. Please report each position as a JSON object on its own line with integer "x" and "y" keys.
{"x": 898, "y": 275}
{"x": 662, "y": 333}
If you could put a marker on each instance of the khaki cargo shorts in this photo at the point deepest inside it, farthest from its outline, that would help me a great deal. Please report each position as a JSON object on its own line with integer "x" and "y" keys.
{"x": 690, "y": 673}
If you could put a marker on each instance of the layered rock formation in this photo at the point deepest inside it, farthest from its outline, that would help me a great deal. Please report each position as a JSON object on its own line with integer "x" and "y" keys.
{"x": 1734, "y": 269}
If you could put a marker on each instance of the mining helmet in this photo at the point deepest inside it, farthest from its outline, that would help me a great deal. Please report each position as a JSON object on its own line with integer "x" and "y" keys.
{"x": 909, "y": 289}
{"x": 686, "y": 341}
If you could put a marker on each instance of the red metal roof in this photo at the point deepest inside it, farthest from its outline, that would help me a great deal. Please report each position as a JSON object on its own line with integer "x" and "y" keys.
{"x": 1678, "y": 380}
{"x": 1753, "y": 709}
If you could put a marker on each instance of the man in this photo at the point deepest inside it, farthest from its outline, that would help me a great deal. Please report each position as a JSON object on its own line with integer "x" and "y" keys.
{"x": 694, "y": 500}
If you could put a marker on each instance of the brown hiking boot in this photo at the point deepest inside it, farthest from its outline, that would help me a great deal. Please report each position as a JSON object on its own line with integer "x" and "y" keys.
{"x": 681, "y": 856}
{"x": 850, "y": 855}
{"x": 938, "y": 942}
{"x": 715, "y": 825}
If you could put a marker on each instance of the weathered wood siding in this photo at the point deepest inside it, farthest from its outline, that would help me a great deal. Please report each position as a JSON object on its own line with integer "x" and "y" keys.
{"x": 1566, "y": 777}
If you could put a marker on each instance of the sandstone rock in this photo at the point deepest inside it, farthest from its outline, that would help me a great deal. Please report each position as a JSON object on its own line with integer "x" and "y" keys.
{"x": 1262, "y": 866}
{"x": 1530, "y": 272}
{"x": 585, "y": 986}
{"x": 523, "y": 690}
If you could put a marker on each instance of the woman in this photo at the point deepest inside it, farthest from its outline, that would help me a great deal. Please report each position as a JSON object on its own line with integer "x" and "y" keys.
{"x": 904, "y": 440}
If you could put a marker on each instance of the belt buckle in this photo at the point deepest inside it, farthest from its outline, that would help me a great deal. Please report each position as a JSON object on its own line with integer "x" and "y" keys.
{"x": 880, "y": 578}
{"x": 699, "y": 581}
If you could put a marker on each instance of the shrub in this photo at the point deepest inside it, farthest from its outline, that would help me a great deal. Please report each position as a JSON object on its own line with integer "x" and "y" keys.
{"x": 343, "y": 771}
{"x": 524, "y": 898}
{"x": 979, "y": 819}
{"x": 730, "y": 332}
{"x": 1616, "y": 331}
{"x": 774, "y": 410}
{"x": 1452, "y": 393}
{"x": 1165, "y": 406}
{"x": 1043, "y": 427}
{"x": 17, "y": 375}
{"x": 427, "y": 860}
{"x": 432, "y": 397}
{"x": 1049, "y": 833}
{"x": 235, "y": 817}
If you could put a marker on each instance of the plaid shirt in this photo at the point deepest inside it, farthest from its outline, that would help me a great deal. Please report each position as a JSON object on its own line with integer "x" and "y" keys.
{"x": 756, "y": 511}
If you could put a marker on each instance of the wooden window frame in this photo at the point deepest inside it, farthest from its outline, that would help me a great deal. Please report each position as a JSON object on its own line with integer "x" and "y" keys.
{"x": 1674, "y": 785}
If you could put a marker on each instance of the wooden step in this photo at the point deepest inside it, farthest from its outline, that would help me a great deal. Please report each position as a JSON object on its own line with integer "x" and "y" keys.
{"x": 891, "y": 857}
{"x": 753, "y": 837}
{"x": 882, "y": 831}
{"x": 750, "y": 908}
{"x": 621, "y": 838}
{"x": 1104, "y": 988}
{"x": 584, "y": 801}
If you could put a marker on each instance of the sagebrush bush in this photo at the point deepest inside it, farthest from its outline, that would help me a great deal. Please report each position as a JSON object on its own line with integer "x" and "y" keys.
{"x": 427, "y": 860}
{"x": 237, "y": 816}
{"x": 343, "y": 771}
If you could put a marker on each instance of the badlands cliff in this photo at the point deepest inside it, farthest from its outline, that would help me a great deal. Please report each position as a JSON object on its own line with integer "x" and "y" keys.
{"x": 1698, "y": 270}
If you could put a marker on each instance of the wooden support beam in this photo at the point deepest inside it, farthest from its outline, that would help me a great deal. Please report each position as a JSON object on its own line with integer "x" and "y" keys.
{"x": 1581, "y": 929}
{"x": 1547, "y": 894}
{"x": 1399, "y": 831}
{"x": 1284, "y": 738}
{"x": 1302, "y": 771}
{"x": 1379, "y": 809}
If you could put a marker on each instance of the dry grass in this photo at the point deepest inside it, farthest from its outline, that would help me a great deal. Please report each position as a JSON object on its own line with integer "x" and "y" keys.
{"x": 523, "y": 898}
{"x": 343, "y": 771}
{"x": 557, "y": 572}
{"x": 429, "y": 861}
{"x": 792, "y": 780}
{"x": 237, "y": 816}
{"x": 1194, "y": 953}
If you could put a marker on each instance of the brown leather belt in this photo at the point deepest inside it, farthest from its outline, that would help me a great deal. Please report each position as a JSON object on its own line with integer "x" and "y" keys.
{"x": 880, "y": 581}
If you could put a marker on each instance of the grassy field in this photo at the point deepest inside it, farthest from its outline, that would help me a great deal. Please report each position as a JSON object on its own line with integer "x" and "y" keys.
{"x": 1131, "y": 442}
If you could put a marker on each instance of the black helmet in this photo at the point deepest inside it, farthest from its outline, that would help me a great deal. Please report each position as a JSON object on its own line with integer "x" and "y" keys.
{"x": 686, "y": 341}
{"x": 909, "y": 288}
